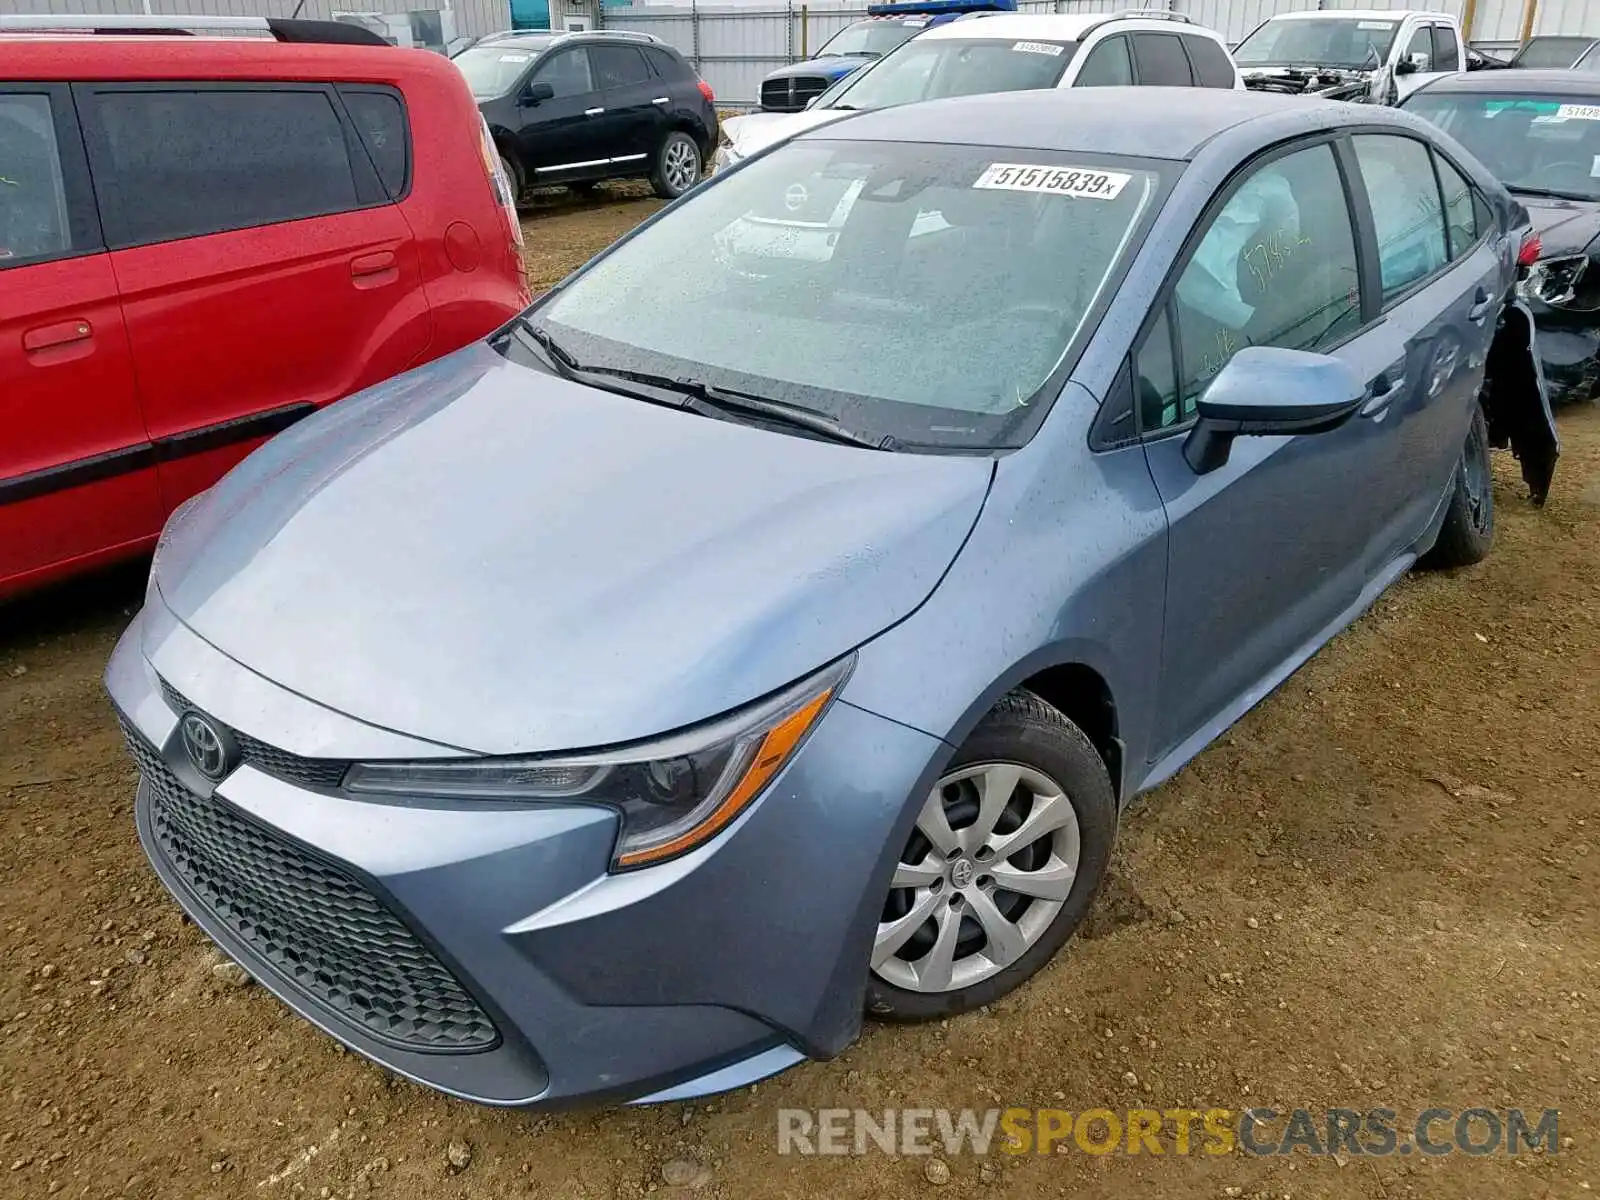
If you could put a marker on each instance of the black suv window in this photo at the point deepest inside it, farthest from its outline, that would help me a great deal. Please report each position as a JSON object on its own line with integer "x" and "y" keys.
{"x": 1106, "y": 66}
{"x": 618, "y": 66}
{"x": 567, "y": 71}
{"x": 1276, "y": 267}
{"x": 173, "y": 163}
{"x": 1210, "y": 61}
{"x": 380, "y": 119}
{"x": 1161, "y": 60}
{"x": 34, "y": 222}
{"x": 667, "y": 65}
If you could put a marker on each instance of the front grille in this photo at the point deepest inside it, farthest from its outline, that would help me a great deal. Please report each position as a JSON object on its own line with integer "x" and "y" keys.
{"x": 791, "y": 94}
{"x": 291, "y": 768}
{"x": 318, "y": 929}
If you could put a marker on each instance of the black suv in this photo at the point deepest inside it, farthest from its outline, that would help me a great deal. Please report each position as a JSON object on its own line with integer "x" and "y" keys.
{"x": 576, "y": 108}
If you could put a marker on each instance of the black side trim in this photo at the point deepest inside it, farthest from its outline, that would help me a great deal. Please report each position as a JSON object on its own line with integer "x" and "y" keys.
{"x": 147, "y": 454}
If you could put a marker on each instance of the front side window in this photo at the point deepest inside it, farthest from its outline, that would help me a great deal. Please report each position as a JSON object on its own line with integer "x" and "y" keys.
{"x": 1420, "y": 49}
{"x": 1405, "y": 208}
{"x": 870, "y": 38}
{"x": 1276, "y": 267}
{"x": 1161, "y": 60}
{"x": 492, "y": 71}
{"x": 176, "y": 164}
{"x": 938, "y": 68}
{"x": 1351, "y": 42}
{"x": 1155, "y": 379}
{"x": 923, "y": 292}
{"x": 1551, "y": 52}
{"x": 1540, "y": 145}
{"x": 33, "y": 196}
{"x": 1106, "y": 66}
{"x": 567, "y": 73}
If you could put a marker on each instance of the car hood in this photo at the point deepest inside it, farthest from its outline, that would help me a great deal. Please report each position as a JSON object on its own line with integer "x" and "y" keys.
{"x": 757, "y": 131}
{"x": 1564, "y": 226}
{"x": 483, "y": 555}
{"x": 834, "y": 66}
{"x": 1333, "y": 83}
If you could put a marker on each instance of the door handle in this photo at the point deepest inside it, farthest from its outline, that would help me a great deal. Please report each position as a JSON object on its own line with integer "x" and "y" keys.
{"x": 1389, "y": 384}
{"x": 662, "y": 100}
{"x": 374, "y": 270}
{"x": 63, "y": 333}
{"x": 1482, "y": 302}
{"x": 593, "y": 112}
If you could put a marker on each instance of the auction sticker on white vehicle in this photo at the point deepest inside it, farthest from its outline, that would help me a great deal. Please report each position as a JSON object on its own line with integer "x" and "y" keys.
{"x": 1085, "y": 183}
{"x": 1037, "y": 48}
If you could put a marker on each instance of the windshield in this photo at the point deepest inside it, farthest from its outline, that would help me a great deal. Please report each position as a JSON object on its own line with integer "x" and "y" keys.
{"x": 937, "y": 68}
{"x": 1530, "y": 143}
{"x": 921, "y": 292}
{"x": 1557, "y": 52}
{"x": 492, "y": 71}
{"x": 1348, "y": 42}
{"x": 871, "y": 37}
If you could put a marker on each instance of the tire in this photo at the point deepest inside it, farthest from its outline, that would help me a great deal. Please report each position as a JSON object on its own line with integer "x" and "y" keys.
{"x": 1468, "y": 529}
{"x": 1026, "y": 739}
{"x": 677, "y": 166}
{"x": 518, "y": 185}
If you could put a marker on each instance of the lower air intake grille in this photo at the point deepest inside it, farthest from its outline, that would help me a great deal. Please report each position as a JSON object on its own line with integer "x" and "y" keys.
{"x": 319, "y": 930}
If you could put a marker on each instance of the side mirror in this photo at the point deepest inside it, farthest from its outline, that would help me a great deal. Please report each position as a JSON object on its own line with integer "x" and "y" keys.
{"x": 1410, "y": 64}
{"x": 537, "y": 93}
{"x": 1265, "y": 391}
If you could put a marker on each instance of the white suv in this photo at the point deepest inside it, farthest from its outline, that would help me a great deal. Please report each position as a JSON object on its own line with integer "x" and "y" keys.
{"x": 1007, "y": 52}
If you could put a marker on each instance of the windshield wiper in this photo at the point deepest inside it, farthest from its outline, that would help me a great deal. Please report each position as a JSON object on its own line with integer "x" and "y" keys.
{"x": 704, "y": 398}
{"x": 1549, "y": 193}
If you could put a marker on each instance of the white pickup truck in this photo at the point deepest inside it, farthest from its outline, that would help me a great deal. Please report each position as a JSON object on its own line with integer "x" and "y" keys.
{"x": 1371, "y": 56}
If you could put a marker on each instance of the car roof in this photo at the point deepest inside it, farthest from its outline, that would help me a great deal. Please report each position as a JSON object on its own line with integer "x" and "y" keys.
{"x": 1364, "y": 14}
{"x": 1150, "y": 122}
{"x": 92, "y": 57}
{"x": 1066, "y": 27}
{"x": 1519, "y": 81}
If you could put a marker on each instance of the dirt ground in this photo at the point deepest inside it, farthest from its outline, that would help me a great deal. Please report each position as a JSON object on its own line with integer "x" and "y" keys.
{"x": 1378, "y": 890}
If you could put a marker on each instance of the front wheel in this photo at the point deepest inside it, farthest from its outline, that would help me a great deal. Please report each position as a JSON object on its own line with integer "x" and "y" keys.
{"x": 677, "y": 167}
{"x": 1468, "y": 529}
{"x": 1008, "y": 852}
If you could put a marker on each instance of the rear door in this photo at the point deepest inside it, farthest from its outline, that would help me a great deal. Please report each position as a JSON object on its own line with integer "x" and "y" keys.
{"x": 637, "y": 105}
{"x": 262, "y": 266}
{"x": 1159, "y": 61}
{"x": 1441, "y": 292}
{"x": 76, "y": 473}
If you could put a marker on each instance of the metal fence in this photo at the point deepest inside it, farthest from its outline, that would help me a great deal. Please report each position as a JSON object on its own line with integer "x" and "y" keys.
{"x": 733, "y": 46}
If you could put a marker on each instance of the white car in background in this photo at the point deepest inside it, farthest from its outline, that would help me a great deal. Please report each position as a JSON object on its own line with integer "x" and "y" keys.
{"x": 1006, "y": 52}
{"x": 1365, "y": 55}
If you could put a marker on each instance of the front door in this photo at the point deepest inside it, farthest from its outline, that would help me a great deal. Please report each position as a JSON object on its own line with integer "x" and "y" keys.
{"x": 77, "y": 476}
{"x": 1269, "y": 551}
{"x": 562, "y": 136}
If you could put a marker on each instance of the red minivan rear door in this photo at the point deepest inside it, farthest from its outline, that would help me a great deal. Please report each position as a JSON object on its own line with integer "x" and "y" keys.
{"x": 263, "y": 267}
{"x": 77, "y": 480}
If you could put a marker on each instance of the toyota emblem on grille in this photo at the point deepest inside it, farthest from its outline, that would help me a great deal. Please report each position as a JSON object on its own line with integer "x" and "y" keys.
{"x": 204, "y": 744}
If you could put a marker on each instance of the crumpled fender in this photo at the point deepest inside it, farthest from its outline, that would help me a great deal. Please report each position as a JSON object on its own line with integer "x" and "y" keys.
{"x": 1516, "y": 401}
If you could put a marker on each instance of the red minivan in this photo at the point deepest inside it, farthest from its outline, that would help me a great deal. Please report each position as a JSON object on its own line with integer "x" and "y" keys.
{"x": 203, "y": 239}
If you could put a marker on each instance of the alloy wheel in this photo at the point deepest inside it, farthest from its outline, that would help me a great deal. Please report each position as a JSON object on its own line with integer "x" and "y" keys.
{"x": 682, "y": 164}
{"x": 990, "y": 863}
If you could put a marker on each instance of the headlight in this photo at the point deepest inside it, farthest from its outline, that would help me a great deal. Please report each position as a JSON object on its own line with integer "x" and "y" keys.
{"x": 1553, "y": 280}
{"x": 673, "y": 794}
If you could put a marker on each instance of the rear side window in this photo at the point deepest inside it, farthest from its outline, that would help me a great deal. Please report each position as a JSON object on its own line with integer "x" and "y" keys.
{"x": 380, "y": 119}
{"x": 1405, "y": 209}
{"x": 1446, "y": 49}
{"x": 1107, "y": 65}
{"x": 1212, "y": 67}
{"x": 618, "y": 66}
{"x": 1462, "y": 210}
{"x": 1161, "y": 60}
{"x": 34, "y": 221}
{"x": 177, "y": 164}
{"x": 666, "y": 66}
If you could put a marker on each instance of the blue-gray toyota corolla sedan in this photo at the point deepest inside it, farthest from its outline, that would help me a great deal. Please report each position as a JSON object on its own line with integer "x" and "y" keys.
{"x": 768, "y": 627}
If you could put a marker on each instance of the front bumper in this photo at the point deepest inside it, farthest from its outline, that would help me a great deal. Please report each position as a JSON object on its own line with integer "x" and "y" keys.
{"x": 485, "y": 950}
{"x": 1570, "y": 356}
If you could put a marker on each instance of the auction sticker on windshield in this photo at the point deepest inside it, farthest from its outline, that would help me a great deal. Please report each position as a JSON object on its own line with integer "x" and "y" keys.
{"x": 1036, "y": 48}
{"x": 1082, "y": 182}
{"x": 1578, "y": 112}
